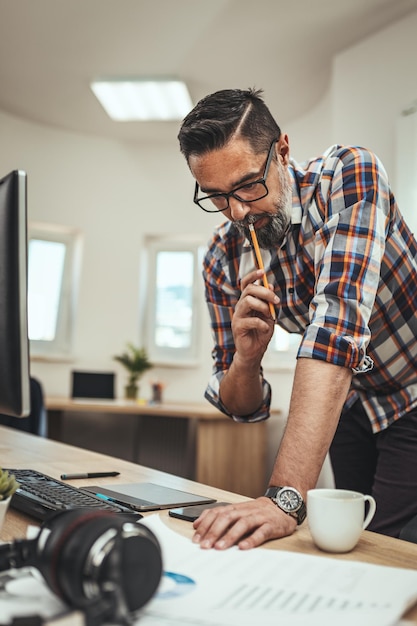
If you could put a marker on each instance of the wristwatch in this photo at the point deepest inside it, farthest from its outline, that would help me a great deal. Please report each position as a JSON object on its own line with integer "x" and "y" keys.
{"x": 288, "y": 500}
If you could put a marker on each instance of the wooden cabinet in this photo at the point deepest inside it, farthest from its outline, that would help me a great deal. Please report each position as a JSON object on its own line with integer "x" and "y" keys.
{"x": 195, "y": 441}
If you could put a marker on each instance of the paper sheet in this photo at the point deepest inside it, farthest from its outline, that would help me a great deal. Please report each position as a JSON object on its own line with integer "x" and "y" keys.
{"x": 233, "y": 587}
{"x": 23, "y": 592}
{"x": 242, "y": 588}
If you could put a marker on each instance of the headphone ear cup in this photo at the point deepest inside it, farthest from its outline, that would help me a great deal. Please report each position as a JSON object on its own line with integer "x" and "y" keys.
{"x": 84, "y": 549}
{"x": 69, "y": 536}
{"x": 141, "y": 567}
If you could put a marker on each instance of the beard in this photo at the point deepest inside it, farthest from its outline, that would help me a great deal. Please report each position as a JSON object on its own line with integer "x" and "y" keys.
{"x": 272, "y": 234}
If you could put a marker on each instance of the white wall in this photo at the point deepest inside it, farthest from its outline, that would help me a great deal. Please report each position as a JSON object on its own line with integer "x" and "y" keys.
{"x": 372, "y": 83}
{"x": 406, "y": 167}
{"x": 117, "y": 193}
{"x": 313, "y": 133}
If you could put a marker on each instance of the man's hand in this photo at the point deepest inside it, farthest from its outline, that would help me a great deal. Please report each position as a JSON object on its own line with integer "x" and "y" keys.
{"x": 248, "y": 524}
{"x": 252, "y": 324}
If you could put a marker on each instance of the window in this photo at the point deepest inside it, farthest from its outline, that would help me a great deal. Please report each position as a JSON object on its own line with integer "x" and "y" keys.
{"x": 53, "y": 259}
{"x": 174, "y": 310}
{"x": 282, "y": 351}
{"x": 283, "y": 341}
{"x": 173, "y": 294}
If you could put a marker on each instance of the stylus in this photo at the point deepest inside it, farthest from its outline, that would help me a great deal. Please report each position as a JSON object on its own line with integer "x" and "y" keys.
{"x": 89, "y": 475}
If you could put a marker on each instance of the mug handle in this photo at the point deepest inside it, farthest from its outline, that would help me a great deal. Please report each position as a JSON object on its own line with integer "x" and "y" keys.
{"x": 371, "y": 511}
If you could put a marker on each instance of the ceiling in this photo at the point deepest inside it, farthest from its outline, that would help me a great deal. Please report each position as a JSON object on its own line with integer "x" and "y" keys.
{"x": 51, "y": 49}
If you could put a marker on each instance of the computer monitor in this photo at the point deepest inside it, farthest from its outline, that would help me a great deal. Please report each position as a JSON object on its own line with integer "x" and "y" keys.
{"x": 14, "y": 343}
{"x": 98, "y": 385}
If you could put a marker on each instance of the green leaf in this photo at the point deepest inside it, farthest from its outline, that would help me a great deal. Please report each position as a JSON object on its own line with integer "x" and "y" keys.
{"x": 8, "y": 484}
{"x": 135, "y": 360}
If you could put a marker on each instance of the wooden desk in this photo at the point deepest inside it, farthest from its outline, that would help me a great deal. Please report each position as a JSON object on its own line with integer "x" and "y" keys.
{"x": 193, "y": 440}
{"x": 20, "y": 450}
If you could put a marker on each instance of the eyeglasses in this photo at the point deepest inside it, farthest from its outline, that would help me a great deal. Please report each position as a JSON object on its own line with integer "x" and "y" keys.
{"x": 249, "y": 192}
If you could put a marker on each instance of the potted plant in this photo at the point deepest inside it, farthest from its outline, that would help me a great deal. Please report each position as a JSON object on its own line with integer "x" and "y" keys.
{"x": 8, "y": 486}
{"x": 136, "y": 361}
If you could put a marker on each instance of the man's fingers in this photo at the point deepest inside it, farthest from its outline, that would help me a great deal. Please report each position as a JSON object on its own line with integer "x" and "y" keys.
{"x": 247, "y": 525}
{"x": 213, "y": 524}
{"x": 251, "y": 278}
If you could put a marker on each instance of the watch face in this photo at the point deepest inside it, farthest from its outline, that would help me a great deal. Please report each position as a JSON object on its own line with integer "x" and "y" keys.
{"x": 289, "y": 500}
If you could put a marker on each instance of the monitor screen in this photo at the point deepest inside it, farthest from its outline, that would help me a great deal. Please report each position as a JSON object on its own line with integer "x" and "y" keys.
{"x": 99, "y": 385}
{"x": 14, "y": 344}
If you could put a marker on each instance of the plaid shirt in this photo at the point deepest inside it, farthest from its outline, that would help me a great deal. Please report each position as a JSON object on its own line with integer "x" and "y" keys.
{"x": 346, "y": 276}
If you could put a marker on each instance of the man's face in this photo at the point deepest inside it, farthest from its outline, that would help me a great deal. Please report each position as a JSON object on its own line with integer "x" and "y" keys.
{"x": 223, "y": 170}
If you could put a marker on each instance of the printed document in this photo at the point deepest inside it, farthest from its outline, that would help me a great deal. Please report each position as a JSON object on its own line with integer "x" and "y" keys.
{"x": 242, "y": 588}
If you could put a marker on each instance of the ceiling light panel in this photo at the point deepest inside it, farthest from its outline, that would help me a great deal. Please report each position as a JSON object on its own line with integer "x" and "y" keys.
{"x": 143, "y": 99}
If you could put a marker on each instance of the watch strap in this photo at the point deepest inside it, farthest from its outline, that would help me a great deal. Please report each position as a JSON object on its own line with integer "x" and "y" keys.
{"x": 271, "y": 492}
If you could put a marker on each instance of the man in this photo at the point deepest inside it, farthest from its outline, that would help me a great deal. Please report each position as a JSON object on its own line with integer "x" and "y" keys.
{"x": 341, "y": 269}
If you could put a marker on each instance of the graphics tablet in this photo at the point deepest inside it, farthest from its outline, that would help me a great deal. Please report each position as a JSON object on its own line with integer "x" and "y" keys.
{"x": 147, "y": 496}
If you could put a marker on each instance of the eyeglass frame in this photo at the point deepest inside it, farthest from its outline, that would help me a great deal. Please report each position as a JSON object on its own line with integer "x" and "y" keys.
{"x": 232, "y": 193}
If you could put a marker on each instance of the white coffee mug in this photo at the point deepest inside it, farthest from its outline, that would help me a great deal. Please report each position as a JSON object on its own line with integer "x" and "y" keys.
{"x": 336, "y": 517}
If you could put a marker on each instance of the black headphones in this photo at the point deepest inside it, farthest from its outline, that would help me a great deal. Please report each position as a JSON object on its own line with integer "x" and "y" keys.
{"x": 103, "y": 563}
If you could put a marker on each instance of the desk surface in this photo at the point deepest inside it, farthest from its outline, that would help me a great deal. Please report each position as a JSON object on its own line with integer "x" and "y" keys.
{"x": 197, "y": 410}
{"x": 20, "y": 450}
{"x": 170, "y": 409}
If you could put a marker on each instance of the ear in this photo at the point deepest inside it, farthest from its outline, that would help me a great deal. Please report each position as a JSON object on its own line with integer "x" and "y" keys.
{"x": 283, "y": 149}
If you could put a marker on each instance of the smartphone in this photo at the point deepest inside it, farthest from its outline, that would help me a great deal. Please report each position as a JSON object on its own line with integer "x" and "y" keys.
{"x": 191, "y": 513}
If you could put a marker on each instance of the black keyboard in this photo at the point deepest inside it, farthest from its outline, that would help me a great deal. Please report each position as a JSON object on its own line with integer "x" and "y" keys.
{"x": 40, "y": 495}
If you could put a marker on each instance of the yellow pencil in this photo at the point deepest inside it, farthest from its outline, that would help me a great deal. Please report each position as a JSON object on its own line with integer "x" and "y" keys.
{"x": 261, "y": 266}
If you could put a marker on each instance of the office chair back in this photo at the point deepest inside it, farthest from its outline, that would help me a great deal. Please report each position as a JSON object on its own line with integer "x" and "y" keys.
{"x": 35, "y": 422}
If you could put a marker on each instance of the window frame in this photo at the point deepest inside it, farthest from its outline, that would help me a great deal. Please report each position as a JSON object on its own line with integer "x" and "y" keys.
{"x": 61, "y": 348}
{"x": 172, "y": 357}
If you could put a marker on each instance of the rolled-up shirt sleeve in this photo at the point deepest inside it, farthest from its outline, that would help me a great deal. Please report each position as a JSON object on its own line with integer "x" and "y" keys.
{"x": 348, "y": 248}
